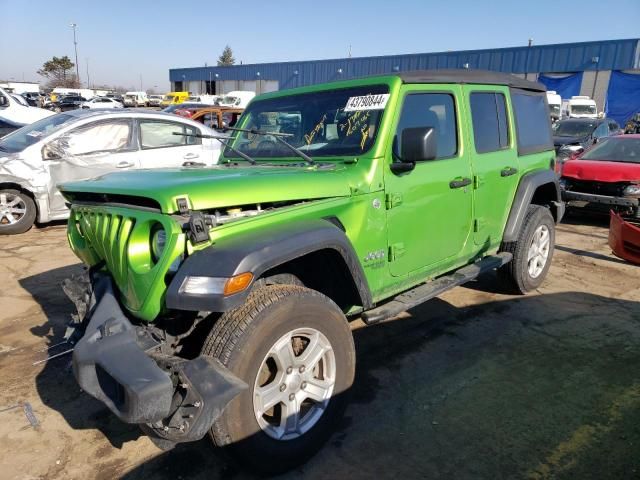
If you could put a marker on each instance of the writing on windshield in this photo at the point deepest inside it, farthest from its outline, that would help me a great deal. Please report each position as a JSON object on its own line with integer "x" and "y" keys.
{"x": 322, "y": 124}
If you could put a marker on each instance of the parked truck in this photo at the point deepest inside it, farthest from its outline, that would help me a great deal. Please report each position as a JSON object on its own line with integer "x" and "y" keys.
{"x": 555, "y": 105}
{"x": 135, "y": 99}
{"x": 579, "y": 106}
{"x": 219, "y": 299}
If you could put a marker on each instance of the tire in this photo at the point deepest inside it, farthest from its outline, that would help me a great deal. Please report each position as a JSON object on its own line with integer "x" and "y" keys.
{"x": 245, "y": 340}
{"x": 17, "y": 212}
{"x": 522, "y": 275}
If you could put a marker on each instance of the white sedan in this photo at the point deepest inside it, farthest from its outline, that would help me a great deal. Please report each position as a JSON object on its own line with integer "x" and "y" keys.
{"x": 101, "y": 102}
{"x": 81, "y": 144}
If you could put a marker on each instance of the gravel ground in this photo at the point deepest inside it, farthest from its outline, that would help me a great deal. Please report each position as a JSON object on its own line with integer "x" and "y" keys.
{"x": 474, "y": 384}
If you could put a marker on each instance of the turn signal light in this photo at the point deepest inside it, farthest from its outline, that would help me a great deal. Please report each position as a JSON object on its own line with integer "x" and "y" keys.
{"x": 237, "y": 283}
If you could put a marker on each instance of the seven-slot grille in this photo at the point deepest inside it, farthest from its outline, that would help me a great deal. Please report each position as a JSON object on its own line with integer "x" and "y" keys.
{"x": 108, "y": 235}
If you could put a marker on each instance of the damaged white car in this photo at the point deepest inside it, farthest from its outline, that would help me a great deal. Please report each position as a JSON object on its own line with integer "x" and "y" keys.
{"x": 83, "y": 144}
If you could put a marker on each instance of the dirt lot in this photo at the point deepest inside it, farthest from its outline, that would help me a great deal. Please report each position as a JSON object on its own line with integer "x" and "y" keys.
{"x": 474, "y": 384}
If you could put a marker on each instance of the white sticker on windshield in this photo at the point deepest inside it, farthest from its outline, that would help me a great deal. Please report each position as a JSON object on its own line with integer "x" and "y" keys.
{"x": 35, "y": 133}
{"x": 367, "y": 102}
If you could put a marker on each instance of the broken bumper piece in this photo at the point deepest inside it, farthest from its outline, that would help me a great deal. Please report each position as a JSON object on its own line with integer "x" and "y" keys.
{"x": 624, "y": 238}
{"x": 120, "y": 365}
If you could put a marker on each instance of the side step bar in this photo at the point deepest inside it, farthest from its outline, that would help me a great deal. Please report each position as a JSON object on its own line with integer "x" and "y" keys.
{"x": 429, "y": 290}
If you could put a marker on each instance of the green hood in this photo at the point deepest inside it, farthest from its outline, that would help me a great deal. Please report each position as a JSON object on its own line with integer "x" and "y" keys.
{"x": 224, "y": 186}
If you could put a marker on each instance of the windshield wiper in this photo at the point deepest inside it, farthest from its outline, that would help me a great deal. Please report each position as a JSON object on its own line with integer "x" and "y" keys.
{"x": 222, "y": 140}
{"x": 279, "y": 137}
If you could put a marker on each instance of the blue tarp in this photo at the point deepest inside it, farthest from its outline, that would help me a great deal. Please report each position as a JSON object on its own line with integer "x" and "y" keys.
{"x": 566, "y": 87}
{"x": 623, "y": 96}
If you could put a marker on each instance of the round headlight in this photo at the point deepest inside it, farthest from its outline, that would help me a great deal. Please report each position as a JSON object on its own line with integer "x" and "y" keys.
{"x": 158, "y": 242}
{"x": 631, "y": 190}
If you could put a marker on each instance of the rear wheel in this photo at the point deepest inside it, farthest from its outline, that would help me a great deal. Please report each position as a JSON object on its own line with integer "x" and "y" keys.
{"x": 17, "y": 212}
{"x": 294, "y": 348}
{"x": 532, "y": 251}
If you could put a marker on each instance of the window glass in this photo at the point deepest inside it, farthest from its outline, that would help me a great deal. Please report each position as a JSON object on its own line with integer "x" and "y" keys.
{"x": 532, "y": 122}
{"x": 615, "y": 149}
{"x": 489, "y": 114}
{"x": 601, "y": 131}
{"x": 435, "y": 110}
{"x": 30, "y": 134}
{"x": 159, "y": 134}
{"x": 322, "y": 124}
{"x": 98, "y": 137}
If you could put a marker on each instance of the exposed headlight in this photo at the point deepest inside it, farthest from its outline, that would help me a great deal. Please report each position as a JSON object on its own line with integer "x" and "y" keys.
{"x": 631, "y": 190}
{"x": 158, "y": 242}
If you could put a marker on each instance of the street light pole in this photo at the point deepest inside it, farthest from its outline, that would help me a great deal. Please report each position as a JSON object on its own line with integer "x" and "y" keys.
{"x": 75, "y": 46}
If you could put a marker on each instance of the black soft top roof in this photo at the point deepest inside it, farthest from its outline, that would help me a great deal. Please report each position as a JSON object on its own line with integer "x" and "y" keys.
{"x": 463, "y": 76}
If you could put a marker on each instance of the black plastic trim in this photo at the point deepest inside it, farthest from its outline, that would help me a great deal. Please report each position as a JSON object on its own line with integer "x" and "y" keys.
{"x": 257, "y": 252}
{"x": 110, "y": 366}
{"x": 465, "y": 76}
{"x": 527, "y": 187}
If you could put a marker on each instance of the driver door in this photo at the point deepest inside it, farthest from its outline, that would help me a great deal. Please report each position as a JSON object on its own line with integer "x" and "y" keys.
{"x": 429, "y": 214}
{"x": 89, "y": 151}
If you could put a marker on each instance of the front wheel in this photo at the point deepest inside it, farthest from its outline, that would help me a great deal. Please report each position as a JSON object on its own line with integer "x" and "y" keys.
{"x": 17, "y": 212}
{"x": 294, "y": 348}
{"x": 532, "y": 251}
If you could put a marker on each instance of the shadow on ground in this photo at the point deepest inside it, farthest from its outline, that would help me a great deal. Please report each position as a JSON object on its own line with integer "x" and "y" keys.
{"x": 527, "y": 387}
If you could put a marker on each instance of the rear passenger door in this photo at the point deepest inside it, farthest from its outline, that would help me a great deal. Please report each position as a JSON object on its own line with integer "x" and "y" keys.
{"x": 494, "y": 160}
{"x": 160, "y": 148}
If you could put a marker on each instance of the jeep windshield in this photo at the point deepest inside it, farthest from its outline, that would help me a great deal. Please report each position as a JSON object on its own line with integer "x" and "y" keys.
{"x": 30, "y": 134}
{"x": 328, "y": 123}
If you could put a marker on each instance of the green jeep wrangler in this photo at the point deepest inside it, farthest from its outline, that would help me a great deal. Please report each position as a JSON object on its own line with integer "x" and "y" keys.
{"x": 220, "y": 298}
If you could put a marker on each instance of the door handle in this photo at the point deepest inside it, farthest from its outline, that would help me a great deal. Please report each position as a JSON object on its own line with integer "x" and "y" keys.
{"x": 508, "y": 171}
{"x": 190, "y": 156}
{"x": 124, "y": 165}
{"x": 459, "y": 183}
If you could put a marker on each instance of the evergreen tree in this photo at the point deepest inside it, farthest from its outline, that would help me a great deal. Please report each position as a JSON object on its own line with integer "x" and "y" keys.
{"x": 226, "y": 59}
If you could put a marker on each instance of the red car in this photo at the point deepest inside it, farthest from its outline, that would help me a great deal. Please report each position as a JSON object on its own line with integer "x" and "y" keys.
{"x": 605, "y": 177}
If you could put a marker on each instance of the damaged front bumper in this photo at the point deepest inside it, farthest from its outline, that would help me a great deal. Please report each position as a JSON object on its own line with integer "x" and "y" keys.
{"x": 122, "y": 366}
{"x": 590, "y": 198}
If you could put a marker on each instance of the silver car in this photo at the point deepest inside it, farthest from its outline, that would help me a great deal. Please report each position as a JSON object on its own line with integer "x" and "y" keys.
{"x": 83, "y": 144}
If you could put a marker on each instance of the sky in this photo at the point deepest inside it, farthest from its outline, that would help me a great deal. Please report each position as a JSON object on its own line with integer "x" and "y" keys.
{"x": 129, "y": 43}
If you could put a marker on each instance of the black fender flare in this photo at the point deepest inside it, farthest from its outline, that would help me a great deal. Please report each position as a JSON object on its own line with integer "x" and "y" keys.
{"x": 258, "y": 251}
{"x": 527, "y": 187}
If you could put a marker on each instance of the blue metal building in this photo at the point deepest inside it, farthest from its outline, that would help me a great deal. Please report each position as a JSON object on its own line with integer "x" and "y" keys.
{"x": 593, "y": 61}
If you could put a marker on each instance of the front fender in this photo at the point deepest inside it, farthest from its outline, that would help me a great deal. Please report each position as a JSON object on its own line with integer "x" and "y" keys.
{"x": 257, "y": 252}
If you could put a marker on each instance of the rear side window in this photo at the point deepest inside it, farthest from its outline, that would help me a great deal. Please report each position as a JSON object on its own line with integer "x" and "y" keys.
{"x": 435, "y": 110}
{"x": 489, "y": 114}
{"x": 533, "y": 126}
{"x": 160, "y": 134}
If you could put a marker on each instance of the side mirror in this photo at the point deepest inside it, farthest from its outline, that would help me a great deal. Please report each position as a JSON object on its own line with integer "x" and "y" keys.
{"x": 3, "y": 101}
{"x": 49, "y": 152}
{"x": 418, "y": 144}
{"x": 52, "y": 150}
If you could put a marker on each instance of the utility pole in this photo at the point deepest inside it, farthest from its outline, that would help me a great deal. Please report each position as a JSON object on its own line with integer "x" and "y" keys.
{"x": 86, "y": 60}
{"x": 141, "y": 82}
{"x": 75, "y": 46}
